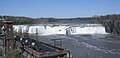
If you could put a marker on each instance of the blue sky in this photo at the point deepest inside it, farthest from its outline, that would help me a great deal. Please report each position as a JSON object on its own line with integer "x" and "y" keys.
{"x": 59, "y": 8}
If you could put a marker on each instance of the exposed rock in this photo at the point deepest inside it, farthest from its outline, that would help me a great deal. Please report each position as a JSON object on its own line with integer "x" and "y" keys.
{"x": 112, "y": 26}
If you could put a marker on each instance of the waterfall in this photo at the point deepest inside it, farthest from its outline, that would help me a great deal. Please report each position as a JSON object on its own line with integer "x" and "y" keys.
{"x": 61, "y": 29}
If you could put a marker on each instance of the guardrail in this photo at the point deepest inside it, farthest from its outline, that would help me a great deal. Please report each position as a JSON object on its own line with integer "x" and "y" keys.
{"x": 58, "y": 51}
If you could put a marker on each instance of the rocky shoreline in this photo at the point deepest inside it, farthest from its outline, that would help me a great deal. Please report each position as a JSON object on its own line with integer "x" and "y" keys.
{"x": 112, "y": 26}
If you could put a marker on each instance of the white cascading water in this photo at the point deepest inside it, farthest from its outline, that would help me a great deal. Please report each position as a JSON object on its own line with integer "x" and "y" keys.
{"x": 61, "y": 29}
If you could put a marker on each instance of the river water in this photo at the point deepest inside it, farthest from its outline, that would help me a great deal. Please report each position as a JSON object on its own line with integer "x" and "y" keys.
{"x": 89, "y": 46}
{"x": 91, "y": 42}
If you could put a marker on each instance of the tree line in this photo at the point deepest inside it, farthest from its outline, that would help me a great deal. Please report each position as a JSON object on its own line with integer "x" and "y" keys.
{"x": 16, "y": 20}
{"x": 26, "y": 20}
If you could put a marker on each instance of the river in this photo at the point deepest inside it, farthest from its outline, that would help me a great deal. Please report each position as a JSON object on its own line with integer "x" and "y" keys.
{"x": 89, "y": 46}
{"x": 87, "y": 41}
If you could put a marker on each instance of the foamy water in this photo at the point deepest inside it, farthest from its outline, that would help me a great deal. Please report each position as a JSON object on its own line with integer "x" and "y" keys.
{"x": 61, "y": 29}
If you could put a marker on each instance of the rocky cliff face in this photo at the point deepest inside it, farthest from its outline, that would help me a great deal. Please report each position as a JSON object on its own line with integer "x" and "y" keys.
{"x": 112, "y": 26}
{"x": 111, "y": 23}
